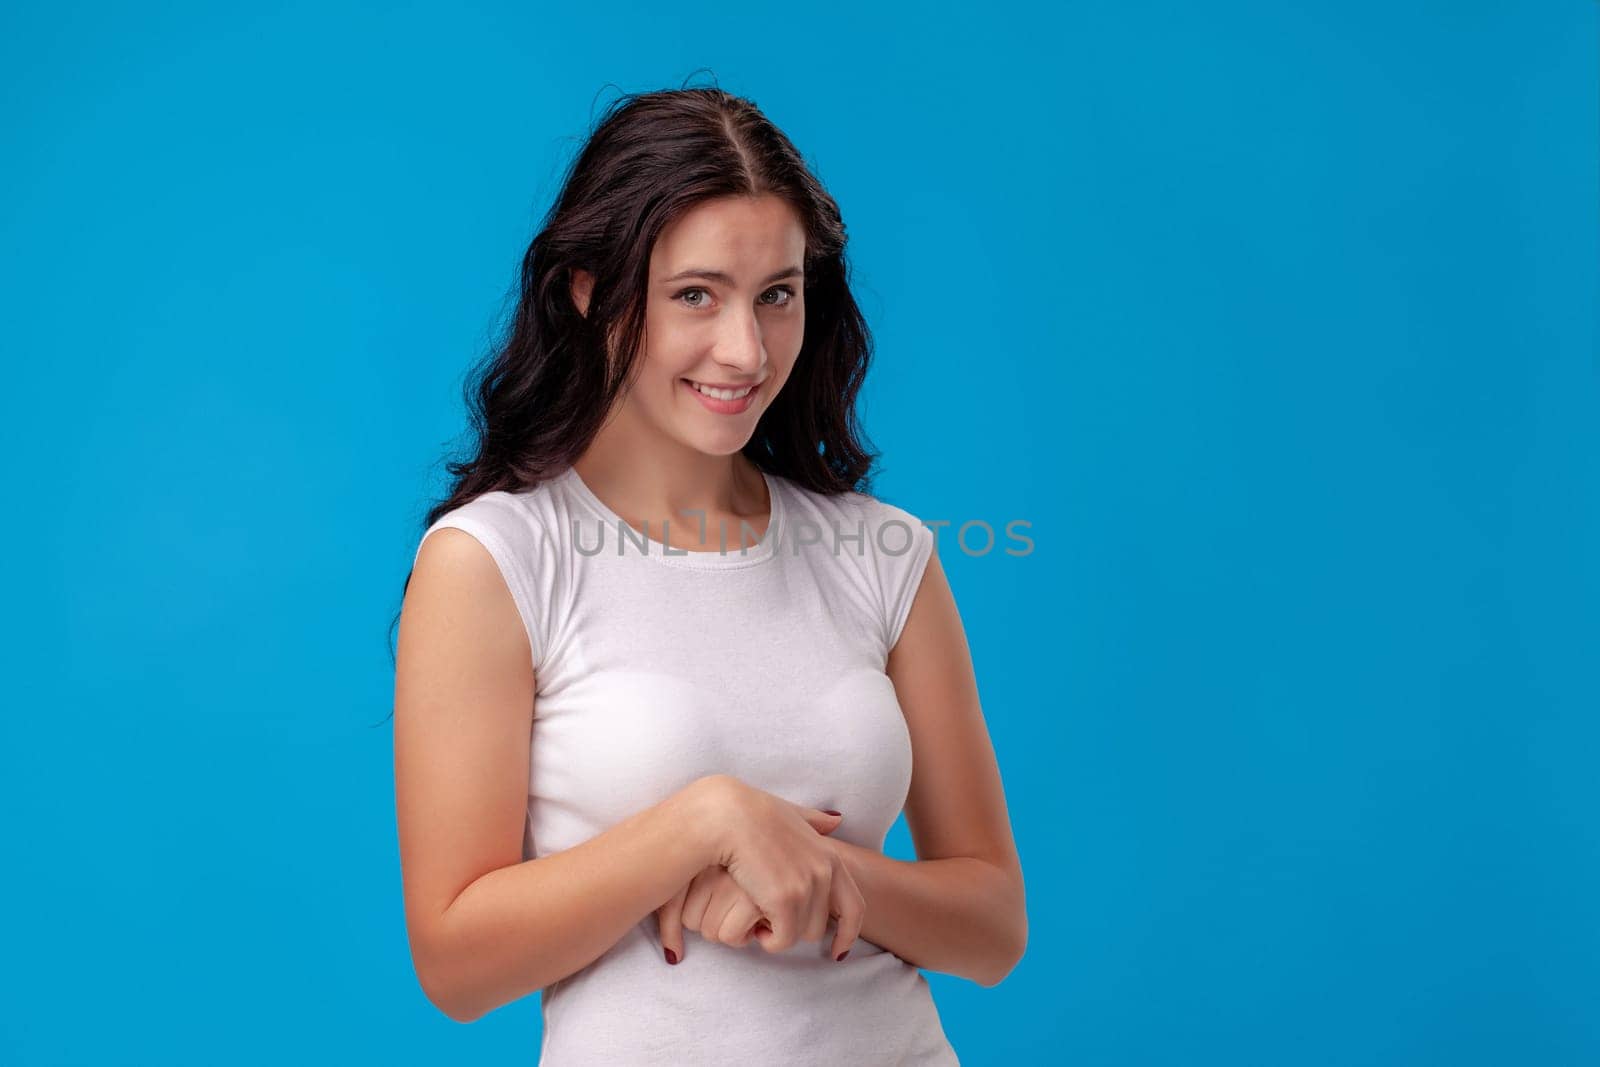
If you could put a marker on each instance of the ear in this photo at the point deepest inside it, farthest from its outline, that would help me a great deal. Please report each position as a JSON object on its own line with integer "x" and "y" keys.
{"x": 582, "y": 286}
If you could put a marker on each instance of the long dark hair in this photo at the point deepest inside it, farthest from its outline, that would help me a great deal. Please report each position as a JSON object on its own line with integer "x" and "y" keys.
{"x": 538, "y": 399}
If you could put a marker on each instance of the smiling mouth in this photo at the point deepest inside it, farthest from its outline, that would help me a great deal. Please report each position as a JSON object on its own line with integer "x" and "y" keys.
{"x": 722, "y": 394}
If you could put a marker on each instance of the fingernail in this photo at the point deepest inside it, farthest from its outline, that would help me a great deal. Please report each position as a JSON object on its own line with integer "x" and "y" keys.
{"x": 842, "y": 955}
{"x": 672, "y": 957}
{"x": 830, "y": 812}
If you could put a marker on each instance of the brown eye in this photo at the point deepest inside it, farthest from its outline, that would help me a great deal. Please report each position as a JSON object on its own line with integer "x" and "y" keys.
{"x": 685, "y": 292}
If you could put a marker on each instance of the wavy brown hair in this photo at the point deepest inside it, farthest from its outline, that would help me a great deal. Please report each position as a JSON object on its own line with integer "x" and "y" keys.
{"x": 540, "y": 396}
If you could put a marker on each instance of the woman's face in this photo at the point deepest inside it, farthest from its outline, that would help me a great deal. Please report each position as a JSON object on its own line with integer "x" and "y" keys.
{"x": 725, "y": 307}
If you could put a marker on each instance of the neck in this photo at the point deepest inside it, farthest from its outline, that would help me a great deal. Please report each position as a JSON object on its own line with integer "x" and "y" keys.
{"x": 656, "y": 480}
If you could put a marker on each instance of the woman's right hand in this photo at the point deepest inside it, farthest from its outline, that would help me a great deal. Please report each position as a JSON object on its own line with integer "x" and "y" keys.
{"x": 777, "y": 853}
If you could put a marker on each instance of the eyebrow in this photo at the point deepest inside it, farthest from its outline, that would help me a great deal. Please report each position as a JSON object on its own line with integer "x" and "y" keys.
{"x": 727, "y": 279}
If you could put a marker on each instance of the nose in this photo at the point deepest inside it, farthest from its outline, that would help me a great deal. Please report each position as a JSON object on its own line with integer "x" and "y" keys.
{"x": 741, "y": 347}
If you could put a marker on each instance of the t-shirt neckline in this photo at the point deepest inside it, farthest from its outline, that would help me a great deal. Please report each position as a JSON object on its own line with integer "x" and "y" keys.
{"x": 749, "y": 556}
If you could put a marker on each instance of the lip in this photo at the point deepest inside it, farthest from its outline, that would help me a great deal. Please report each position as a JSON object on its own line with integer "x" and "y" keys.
{"x": 724, "y": 407}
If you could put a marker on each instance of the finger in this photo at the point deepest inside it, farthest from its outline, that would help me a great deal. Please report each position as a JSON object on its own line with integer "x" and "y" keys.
{"x": 783, "y": 918}
{"x": 724, "y": 899}
{"x": 670, "y": 918}
{"x": 739, "y": 923}
{"x": 699, "y": 895}
{"x": 849, "y": 907}
{"x": 822, "y": 821}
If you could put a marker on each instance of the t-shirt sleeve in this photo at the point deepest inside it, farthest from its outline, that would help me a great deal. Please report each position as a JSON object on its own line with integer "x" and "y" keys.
{"x": 902, "y": 546}
{"x": 523, "y": 551}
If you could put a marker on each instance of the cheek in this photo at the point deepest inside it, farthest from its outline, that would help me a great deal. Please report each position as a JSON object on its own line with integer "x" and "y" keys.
{"x": 792, "y": 337}
{"x": 670, "y": 350}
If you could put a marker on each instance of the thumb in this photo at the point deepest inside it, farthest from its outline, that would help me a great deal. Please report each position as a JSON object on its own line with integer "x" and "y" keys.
{"x": 670, "y": 919}
{"x": 824, "y": 822}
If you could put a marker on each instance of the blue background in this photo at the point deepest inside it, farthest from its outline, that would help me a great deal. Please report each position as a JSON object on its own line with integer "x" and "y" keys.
{"x": 1276, "y": 320}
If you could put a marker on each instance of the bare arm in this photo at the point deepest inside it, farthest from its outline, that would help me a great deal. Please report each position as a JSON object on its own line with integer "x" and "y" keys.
{"x": 487, "y": 927}
{"x": 515, "y": 930}
{"x": 956, "y": 915}
{"x": 960, "y": 908}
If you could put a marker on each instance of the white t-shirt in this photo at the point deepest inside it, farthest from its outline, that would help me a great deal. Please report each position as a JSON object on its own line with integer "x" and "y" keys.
{"x": 656, "y": 666}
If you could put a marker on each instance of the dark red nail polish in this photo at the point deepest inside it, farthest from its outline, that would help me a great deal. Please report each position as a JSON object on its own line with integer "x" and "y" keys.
{"x": 672, "y": 957}
{"x": 831, "y": 812}
{"x": 842, "y": 955}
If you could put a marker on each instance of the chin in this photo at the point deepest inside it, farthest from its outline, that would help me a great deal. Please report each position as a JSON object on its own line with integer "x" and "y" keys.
{"x": 725, "y": 447}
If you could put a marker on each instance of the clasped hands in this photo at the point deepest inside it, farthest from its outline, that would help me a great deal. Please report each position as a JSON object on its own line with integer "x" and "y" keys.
{"x": 779, "y": 880}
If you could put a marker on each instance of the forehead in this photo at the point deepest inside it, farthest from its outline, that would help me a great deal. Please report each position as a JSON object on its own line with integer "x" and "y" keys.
{"x": 737, "y": 235}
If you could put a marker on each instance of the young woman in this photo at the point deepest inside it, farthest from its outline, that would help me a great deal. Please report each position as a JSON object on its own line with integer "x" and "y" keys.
{"x": 664, "y": 664}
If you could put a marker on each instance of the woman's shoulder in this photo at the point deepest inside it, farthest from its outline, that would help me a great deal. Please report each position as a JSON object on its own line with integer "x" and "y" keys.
{"x": 880, "y": 548}
{"x": 520, "y": 520}
{"x": 521, "y": 530}
{"x": 856, "y": 524}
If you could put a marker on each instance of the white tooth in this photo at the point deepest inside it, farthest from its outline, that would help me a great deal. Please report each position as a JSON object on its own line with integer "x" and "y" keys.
{"x": 723, "y": 394}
